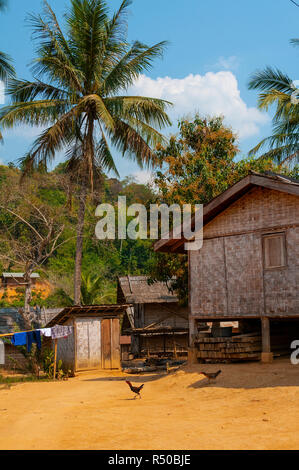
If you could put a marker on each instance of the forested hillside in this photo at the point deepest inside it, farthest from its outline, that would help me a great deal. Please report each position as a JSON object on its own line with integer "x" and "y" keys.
{"x": 103, "y": 261}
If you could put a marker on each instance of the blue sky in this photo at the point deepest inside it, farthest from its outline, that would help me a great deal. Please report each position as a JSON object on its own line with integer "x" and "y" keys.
{"x": 214, "y": 47}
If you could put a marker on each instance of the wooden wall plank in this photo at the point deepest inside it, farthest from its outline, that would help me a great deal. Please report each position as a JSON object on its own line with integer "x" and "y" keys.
{"x": 106, "y": 343}
{"x": 115, "y": 344}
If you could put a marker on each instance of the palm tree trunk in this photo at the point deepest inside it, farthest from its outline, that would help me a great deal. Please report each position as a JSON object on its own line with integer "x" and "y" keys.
{"x": 85, "y": 173}
{"x": 79, "y": 246}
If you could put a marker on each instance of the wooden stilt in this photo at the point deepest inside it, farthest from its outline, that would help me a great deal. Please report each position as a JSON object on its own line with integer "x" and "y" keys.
{"x": 267, "y": 356}
{"x": 192, "y": 331}
{"x": 55, "y": 359}
{"x": 174, "y": 347}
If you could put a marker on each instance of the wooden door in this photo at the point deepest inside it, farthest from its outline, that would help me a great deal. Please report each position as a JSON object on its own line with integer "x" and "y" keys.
{"x": 88, "y": 343}
{"x": 110, "y": 334}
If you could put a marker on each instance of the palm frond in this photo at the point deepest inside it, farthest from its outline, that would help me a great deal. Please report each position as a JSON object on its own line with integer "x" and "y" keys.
{"x": 132, "y": 145}
{"x": 3, "y": 4}
{"x": 6, "y": 68}
{"x": 150, "y": 110}
{"x": 139, "y": 58}
{"x": 35, "y": 113}
{"x": 103, "y": 156}
{"x": 23, "y": 90}
{"x": 271, "y": 79}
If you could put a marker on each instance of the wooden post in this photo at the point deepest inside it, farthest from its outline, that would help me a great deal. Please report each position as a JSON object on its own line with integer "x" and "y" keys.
{"x": 267, "y": 356}
{"x": 192, "y": 351}
{"x": 174, "y": 348}
{"x": 192, "y": 331}
{"x": 55, "y": 359}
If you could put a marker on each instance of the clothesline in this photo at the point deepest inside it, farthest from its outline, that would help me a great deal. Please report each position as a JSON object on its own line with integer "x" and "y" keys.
{"x": 60, "y": 332}
{"x": 22, "y": 338}
{"x": 11, "y": 334}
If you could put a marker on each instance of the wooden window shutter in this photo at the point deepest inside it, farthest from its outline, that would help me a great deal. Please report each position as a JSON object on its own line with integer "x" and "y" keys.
{"x": 274, "y": 251}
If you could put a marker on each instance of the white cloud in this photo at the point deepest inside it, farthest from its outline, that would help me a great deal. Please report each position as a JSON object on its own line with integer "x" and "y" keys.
{"x": 143, "y": 176}
{"x": 209, "y": 94}
{"x": 227, "y": 63}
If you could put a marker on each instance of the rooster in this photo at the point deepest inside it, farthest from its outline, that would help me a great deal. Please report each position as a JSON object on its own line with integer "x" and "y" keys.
{"x": 135, "y": 390}
{"x": 211, "y": 375}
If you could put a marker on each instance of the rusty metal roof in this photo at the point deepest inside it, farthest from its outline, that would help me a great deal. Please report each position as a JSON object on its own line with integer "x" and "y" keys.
{"x": 107, "y": 311}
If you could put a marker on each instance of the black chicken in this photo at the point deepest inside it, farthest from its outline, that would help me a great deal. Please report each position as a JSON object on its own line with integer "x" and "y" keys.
{"x": 135, "y": 390}
{"x": 211, "y": 375}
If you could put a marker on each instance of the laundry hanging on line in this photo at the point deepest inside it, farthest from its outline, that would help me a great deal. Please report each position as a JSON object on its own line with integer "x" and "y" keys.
{"x": 47, "y": 332}
{"x": 57, "y": 331}
{"x": 2, "y": 353}
{"x": 27, "y": 339}
{"x": 33, "y": 337}
{"x": 19, "y": 339}
{"x": 61, "y": 331}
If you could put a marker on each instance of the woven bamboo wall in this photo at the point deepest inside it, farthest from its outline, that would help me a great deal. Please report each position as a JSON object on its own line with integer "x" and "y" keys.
{"x": 260, "y": 208}
{"x": 227, "y": 275}
{"x": 171, "y": 314}
{"x": 66, "y": 350}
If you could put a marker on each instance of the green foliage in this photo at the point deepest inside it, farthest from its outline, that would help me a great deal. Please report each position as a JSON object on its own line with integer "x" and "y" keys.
{"x": 48, "y": 365}
{"x": 9, "y": 381}
{"x": 58, "y": 298}
{"x": 105, "y": 259}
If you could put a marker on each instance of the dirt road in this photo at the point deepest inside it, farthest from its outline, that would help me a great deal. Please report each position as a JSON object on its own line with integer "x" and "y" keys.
{"x": 251, "y": 406}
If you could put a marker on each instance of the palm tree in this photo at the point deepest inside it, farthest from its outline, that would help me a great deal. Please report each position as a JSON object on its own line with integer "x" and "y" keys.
{"x": 92, "y": 290}
{"x": 81, "y": 100}
{"x": 278, "y": 89}
{"x": 6, "y": 69}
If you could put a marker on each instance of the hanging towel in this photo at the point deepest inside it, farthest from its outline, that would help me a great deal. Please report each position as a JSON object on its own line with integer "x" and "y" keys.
{"x": 46, "y": 332}
{"x": 2, "y": 353}
{"x": 19, "y": 339}
{"x": 33, "y": 337}
{"x": 60, "y": 331}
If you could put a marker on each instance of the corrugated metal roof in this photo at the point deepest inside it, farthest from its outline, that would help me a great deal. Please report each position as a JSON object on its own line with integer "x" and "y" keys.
{"x": 19, "y": 275}
{"x": 88, "y": 311}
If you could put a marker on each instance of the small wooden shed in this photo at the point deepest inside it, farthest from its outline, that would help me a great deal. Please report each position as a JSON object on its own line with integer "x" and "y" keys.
{"x": 95, "y": 342}
{"x": 158, "y": 325}
{"x": 17, "y": 279}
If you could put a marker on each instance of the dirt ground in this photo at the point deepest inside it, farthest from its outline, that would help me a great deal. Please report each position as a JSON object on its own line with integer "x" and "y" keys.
{"x": 251, "y": 406}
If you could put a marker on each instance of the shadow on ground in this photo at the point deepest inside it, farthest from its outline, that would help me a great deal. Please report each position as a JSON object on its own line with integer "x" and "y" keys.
{"x": 131, "y": 378}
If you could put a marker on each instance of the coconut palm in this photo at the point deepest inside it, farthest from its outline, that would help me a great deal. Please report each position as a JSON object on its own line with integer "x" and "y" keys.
{"x": 92, "y": 290}
{"x": 278, "y": 89}
{"x": 79, "y": 95}
{"x": 6, "y": 69}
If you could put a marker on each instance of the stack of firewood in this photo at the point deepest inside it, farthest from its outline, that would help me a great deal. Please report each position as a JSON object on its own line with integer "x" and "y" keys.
{"x": 245, "y": 347}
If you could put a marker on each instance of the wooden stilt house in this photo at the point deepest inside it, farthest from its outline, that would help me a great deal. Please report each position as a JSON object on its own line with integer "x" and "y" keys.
{"x": 247, "y": 269}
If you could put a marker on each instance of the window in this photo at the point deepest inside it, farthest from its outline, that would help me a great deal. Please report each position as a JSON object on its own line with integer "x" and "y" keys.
{"x": 274, "y": 247}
